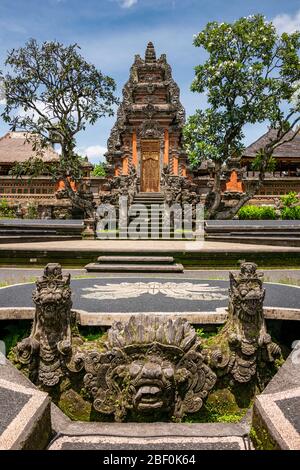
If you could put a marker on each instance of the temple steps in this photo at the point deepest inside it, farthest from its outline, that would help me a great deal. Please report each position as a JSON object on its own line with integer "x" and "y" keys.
{"x": 260, "y": 232}
{"x": 36, "y": 238}
{"x": 27, "y": 230}
{"x": 151, "y": 226}
{"x": 259, "y": 240}
{"x": 121, "y": 263}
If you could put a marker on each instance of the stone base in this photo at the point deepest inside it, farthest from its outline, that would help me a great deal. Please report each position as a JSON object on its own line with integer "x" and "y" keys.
{"x": 276, "y": 413}
{"x": 89, "y": 229}
{"x": 153, "y": 436}
{"x": 121, "y": 263}
{"x": 25, "y": 421}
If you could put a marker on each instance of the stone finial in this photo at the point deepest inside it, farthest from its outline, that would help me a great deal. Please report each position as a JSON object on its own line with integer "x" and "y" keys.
{"x": 150, "y": 55}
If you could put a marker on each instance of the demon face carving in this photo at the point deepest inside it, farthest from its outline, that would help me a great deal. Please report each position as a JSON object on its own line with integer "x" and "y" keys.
{"x": 152, "y": 365}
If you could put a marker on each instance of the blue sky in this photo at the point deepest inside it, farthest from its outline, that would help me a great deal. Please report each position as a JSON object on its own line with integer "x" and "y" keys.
{"x": 110, "y": 32}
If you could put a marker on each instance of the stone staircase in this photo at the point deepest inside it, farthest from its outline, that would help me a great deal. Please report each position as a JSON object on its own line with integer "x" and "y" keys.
{"x": 151, "y": 226}
{"x": 36, "y": 230}
{"x": 259, "y": 232}
{"x": 125, "y": 263}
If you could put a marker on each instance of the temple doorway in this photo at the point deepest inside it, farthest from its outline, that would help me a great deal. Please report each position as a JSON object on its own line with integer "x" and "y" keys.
{"x": 150, "y": 166}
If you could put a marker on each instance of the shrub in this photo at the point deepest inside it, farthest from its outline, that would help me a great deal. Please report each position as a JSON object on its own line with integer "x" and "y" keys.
{"x": 99, "y": 170}
{"x": 32, "y": 211}
{"x": 257, "y": 213}
{"x": 290, "y": 213}
{"x": 5, "y": 210}
{"x": 289, "y": 199}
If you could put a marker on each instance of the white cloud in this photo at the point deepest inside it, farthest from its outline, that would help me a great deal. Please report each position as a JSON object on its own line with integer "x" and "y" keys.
{"x": 95, "y": 153}
{"x": 285, "y": 23}
{"x": 128, "y": 3}
{"x": 34, "y": 115}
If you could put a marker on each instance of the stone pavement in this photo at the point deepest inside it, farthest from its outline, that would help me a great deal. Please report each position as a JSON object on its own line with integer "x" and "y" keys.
{"x": 276, "y": 413}
{"x": 136, "y": 295}
{"x": 159, "y": 246}
{"x": 18, "y": 275}
{"x": 25, "y": 421}
{"x": 152, "y": 436}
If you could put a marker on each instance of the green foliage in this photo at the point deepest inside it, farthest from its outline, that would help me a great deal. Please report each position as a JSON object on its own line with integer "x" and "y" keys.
{"x": 259, "y": 160}
{"x": 33, "y": 167}
{"x": 32, "y": 211}
{"x": 59, "y": 93}
{"x": 5, "y": 210}
{"x": 12, "y": 333}
{"x": 290, "y": 213}
{"x": 256, "y": 213}
{"x": 92, "y": 333}
{"x": 99, "y": 170}
{"x": 289, "y": 199}
{"x": 220, "y": 407}
{"x": 249, "y": 72}
{"x": 261, "y": 438}
{"x": 206, "y": 334}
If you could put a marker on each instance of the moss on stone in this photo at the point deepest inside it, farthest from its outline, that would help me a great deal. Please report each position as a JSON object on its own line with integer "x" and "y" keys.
{"x": 220, "y": 407}
{"x": 74, "y": 406}
{"x": 261, "y": 439}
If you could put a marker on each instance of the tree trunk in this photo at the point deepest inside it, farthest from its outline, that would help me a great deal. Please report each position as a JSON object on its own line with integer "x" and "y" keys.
{"x": 78, "y": 198}
{"x": 214, "y": 211}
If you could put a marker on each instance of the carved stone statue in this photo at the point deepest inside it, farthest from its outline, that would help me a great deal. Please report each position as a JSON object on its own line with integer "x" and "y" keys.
{"x": 244, "y": 340}
{"x": 48, "y": 352}
{"x": 152, "y": 366}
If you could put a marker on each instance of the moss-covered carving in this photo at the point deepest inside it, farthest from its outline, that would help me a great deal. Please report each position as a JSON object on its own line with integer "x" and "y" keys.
{"x": 243, "y": 348}
{"x": 149, "y": 368}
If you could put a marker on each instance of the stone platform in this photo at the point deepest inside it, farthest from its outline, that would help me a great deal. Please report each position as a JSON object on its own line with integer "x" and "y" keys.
{"x": 276, "y": 413}
{"x": 152, "y": 436}
{"x": 192, "y": 254}
{"x": 25, "y": 421}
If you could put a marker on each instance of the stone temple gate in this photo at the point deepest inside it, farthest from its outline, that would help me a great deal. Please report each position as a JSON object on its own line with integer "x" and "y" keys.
{"x": 145, "y": 151}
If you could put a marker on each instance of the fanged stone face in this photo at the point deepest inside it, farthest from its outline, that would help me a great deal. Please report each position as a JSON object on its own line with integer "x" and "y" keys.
{"x": 49, "y": 315}
{"x": 153, "y": 383}
{"x": 251, "y": 298}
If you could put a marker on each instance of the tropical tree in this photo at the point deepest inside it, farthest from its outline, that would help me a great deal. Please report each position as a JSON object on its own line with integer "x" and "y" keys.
{"x": 99, "y": 169}
{"x": 251, "y": 75}
{"x": 52, "y": 93}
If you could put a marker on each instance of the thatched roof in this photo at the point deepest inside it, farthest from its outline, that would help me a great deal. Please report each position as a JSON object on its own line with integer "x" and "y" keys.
{"x": 15, "y": 148}
{"x": 287, "y": 150}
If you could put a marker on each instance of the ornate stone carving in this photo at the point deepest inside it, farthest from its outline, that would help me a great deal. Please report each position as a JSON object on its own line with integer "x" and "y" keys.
{"x": 244, "y": 341}
{"x": 178, "y": 190}
{"x": 125, "y": 185}
{"x": 149, "y": 367}
{"x": 150, "y": 97}
{"x": 152, "y": 366}
{"x": 150, "y": 129}
{"x": 48, "y": 351}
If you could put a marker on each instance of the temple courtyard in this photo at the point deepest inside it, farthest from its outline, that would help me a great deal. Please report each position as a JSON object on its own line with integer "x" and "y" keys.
{"x": 200, "y": 296}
